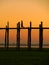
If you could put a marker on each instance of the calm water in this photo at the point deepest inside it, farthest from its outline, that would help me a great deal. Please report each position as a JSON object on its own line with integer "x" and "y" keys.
{"x": 24, "y": 37}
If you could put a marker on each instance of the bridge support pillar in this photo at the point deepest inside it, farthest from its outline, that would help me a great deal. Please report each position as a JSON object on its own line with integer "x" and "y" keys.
{"x": 18, "y": 35}
{"x": 29, "y": 36}
{"x": 7, "y": 36}
{"x": 41, "y": 35}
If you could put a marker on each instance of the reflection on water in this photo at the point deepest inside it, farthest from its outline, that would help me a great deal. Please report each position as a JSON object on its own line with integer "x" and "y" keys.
{"x": 2, "y": 36}
{"x": 24, "y": 38}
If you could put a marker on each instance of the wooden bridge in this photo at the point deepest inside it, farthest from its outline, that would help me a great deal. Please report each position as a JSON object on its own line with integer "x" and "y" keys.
{"x": 18, "y": 28}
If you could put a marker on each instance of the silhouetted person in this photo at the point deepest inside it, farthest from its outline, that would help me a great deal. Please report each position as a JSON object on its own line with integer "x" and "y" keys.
{"x": 22, "y": 23}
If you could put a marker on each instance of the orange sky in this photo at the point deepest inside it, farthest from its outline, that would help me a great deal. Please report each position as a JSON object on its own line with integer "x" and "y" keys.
{"x": 26, "y": 10}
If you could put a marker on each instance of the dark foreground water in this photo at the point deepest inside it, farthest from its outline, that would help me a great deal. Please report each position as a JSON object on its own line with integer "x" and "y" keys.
{"x": 24, "y": 57}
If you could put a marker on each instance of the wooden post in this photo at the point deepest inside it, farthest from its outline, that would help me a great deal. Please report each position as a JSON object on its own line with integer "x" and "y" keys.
{"x": 18, "y": 35}
{"x": 7, "y": 36}
{"x": 29, "y": 36}
{"x": 41, "y": 35}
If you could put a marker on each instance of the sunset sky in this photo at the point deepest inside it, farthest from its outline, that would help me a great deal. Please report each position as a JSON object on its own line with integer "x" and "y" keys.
{"x": 26, "y": 10}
